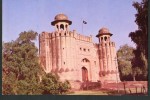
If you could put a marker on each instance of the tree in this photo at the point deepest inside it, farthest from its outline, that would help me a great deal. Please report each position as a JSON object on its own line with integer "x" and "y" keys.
{"x": 20, "y": 64}
{"x": 21, "y": 71}
{"x": 140, "y": 38}
{"x": 125, "y": 56}
{"x": 51, "y": 85}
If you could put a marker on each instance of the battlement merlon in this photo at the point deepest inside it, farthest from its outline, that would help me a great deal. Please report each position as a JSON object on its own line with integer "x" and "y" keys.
{"x": 74, "y": 34}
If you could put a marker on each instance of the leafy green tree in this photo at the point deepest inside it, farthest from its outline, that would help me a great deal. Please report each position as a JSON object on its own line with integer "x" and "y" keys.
{"x": 125, "y": 56}
{"x": 51, "y": 85}
{"x": 140, "y": 38}
{"x": 21, "y": 70}
{"x": 137, "y": 66}
{"x": 20, "y": 64}
{"x": 65, "y": 87}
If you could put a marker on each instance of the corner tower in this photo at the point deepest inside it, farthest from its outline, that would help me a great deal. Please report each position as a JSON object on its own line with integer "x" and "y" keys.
{"x": 107, "y": 57}
{"x": 104, "y": 35}
{"x": 61, "y": 22}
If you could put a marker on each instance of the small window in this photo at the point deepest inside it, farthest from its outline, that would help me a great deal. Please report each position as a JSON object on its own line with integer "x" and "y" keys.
{"x": 80, "y": 48}
{"x": 59, "y": 34}
{"x": 57, "y": 26}
{"x": 84, "y": 49}
{"x": 62, "y": 26}
{"x": 64, "y": 63}
{"x": 105, "y": 38}
{"x": 63, "y": 48}
{"x": 88, "y": 49}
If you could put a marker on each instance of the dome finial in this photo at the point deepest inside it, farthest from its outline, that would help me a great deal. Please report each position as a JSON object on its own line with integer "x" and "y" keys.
{"x": 103, "y": 31}
{"x": 61, "y": 18}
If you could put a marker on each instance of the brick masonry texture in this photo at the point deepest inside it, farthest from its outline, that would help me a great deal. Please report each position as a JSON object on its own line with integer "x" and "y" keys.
{"x": 75, "y": 57}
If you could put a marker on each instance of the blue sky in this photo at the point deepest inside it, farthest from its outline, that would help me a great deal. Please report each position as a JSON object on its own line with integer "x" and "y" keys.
{"x": 23, "y": 15}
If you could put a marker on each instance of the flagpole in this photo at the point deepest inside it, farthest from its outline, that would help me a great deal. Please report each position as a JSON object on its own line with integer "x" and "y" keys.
{"x": 82, "y": 27}
{"x": 83, "y": 22}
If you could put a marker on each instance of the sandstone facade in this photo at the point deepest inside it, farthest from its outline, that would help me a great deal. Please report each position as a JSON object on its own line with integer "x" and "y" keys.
{"x": 75, "y": 57}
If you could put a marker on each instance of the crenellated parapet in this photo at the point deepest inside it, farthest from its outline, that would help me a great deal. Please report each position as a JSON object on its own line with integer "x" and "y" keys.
{"x": 73, "y": 34}
{"x": 84, "y": 38}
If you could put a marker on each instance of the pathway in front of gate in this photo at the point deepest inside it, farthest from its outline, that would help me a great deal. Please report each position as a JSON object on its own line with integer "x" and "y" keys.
{"x": 131, "y": 87}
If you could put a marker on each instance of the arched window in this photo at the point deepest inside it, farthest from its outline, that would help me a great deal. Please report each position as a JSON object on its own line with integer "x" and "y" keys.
{"x": 85, "y": 60}
{"x": 57, "y": 26}
{"x": 62, "y": 26}
{"x": 105, "y": 38}
{"x": 66, "y": 26}
{"x": 102, "y": 38}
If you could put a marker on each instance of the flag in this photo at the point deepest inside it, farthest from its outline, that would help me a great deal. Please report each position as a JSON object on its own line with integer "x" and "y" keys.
{"x": 84, "y": 22}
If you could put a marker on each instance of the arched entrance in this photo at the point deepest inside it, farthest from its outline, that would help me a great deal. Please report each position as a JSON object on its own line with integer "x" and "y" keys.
{"x": 84, "y": 74}
{"x": 85, "y": 70}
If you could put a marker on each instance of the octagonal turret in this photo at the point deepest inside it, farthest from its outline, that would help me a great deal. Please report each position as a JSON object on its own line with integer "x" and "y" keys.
{"x": 104, "y": 34}
{"x": 61, "y": 22}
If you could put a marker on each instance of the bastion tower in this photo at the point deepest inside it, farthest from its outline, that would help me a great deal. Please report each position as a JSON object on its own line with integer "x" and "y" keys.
{"x": 107, "y": 56}
{"x": 76, "y": 57}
